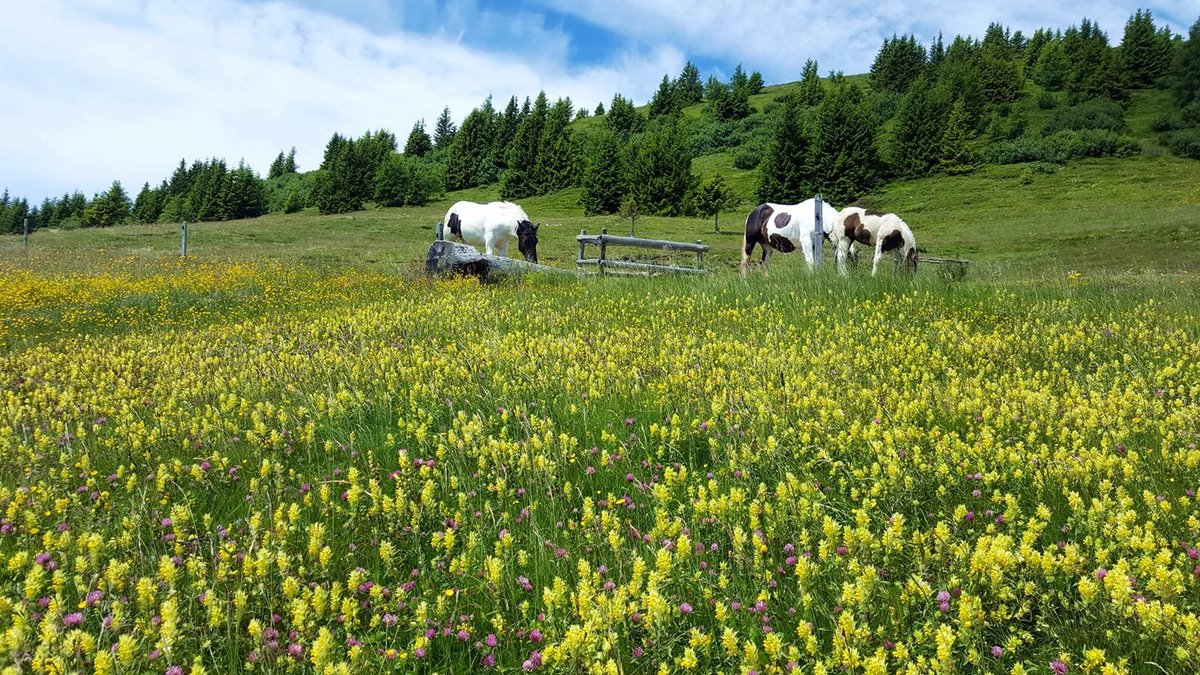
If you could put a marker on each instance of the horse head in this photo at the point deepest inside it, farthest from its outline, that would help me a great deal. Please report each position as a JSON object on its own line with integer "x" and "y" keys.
{"x": 527, "y": 240}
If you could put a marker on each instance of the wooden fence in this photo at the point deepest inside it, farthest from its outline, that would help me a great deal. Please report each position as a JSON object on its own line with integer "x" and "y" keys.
{"x": 605, "y": 264}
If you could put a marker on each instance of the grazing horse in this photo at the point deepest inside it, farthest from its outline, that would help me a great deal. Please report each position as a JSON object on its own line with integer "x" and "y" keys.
{"x": 784, "y": 228}
{"x": 884, "y": 231}
{"x": 492, "y": 225}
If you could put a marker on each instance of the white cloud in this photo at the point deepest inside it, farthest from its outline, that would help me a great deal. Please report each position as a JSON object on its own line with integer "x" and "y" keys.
{"x": 106, "y": 89}
{"x": 776, "y": 37}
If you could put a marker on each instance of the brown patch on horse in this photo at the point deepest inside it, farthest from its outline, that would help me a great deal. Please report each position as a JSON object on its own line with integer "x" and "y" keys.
{"x": 455, "y": 225}
{"x": 893, "y": 241}
{"x": 782, "y": 220}
{"x": 781, "y": 243}
{"x": 855, "y": 231}
{"x": 756, "y": 227}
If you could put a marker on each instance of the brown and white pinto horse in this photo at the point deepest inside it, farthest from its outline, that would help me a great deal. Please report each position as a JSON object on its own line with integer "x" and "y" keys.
{"x": 784, "y": 228}
{"x": 883, "y": 231}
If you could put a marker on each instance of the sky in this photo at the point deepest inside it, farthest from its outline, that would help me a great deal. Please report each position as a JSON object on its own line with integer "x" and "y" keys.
{"x": 93, "y": 91}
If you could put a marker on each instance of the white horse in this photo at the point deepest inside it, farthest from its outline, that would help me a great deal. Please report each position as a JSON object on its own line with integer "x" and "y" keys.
{"x": 884, "y": 231}
{"x": 491, "y": 226}
{"x": 784, "y": 228}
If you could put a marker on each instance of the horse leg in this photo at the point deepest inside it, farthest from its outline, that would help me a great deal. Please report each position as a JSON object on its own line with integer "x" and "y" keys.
{"x": 878, "y": 256}
{"x": 766, "y": 260}
{"x": 842, "y": 251}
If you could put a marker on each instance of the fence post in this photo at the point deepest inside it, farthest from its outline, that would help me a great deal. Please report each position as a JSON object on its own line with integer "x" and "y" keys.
{"x": 441, "y": 232}
{"x": 818, "y": 235}
{"x": 603, "y": 248}
{"x": 183, "y": 240}
{"x": 582, "y": 232}
{"x": 699, "y": 256}
{"x": 27, "y": 234}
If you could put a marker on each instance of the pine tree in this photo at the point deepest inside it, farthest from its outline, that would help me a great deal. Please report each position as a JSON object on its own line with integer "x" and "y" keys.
{"x": 786, "y": 174}
{"x": 469, "y": 161}
{"x": 1052, "y": 66}
{"x": 107, "y": 209}
{"x": 663, "y": 101}
{"x": 688, "y": 88}
{"x": 1186, "y": 70}
{"x": 276, "y": 169}
{"x": 1147, "y": 55}
{"x": 289, "y": 165}
{"x": 520, "y": 178}
{"x": 897, "y": 64}
{"x": 603, "y": 176}
{"x": 443, "y": 132}
{"x": 739, "y": 79}
{"x": 418, "y": 144}
{"x": 1096, "y": 69}
{"x": 556, "y": 162}
{"x": 247, "y": 194}
{"x": 1033, "y": 49}
{"x": 506, "y": 130}
{"x": 148, "y": 205}
{"x": 937, "y": 53}
{"x": 755, "y": 84}
{"x": 811, "y": 92}
{"x": 623, "y": 119}
{"x": 845, "y": 158}
{"x": 918, "y": 128}
{"x": 599, "y": 112}
{"x": 956, "y": 155}
{"x": 660, "y": 173}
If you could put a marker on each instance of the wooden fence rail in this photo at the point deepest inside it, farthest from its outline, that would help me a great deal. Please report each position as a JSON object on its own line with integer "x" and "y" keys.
{"x": 604, "y": 263}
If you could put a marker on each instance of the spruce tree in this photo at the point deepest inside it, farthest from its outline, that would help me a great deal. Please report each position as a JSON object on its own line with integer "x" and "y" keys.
{"x": 148, "y": 205}
{"x": 897, "y": 64}
{"x": 623, "y": 119}
{"x": 811, "y": 92}
{"x": 276, "y": 169}
{"x": 289, "y": 165}
{"x": 443, "y": 132}
{"x": 603, "y": 176}
{"x": 418, "y": 144}
{"x": 1146, "y": 54}
{"x": 919, "y": 126}
{"x": 1033, "y": 49}
{"x": 599, "y": 112}
{"x": 247, "y": 196}
{"x": 663, "y": 101}
{"x": 506, "y": 130}
{"x": 956, "y": 155}
{"x": 1052, "y": 66}
{"x": 469, "y": 161}
{"x": 556, "y": 159}
{"x": 845, "y": 158}
{"x": 520, "y": 178}
{"x": 660, "y": 175}
{"x": 108, "y": 208}
{"x": 785, "y": 173}
{"x": 755, "y": 83}
{"x": 688, "y": 88}
{"x": 1095, "y": 69}
{"x": 1186, "y": 70}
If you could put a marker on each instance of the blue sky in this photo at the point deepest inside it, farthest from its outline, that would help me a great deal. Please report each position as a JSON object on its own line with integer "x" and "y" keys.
{"x": 97, "y": 90}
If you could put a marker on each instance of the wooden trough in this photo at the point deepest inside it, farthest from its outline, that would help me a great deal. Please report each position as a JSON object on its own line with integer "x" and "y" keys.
{"x": 606, "y": 264}
{"x": 954, "y": 268}
{"x": 446, "y": 258}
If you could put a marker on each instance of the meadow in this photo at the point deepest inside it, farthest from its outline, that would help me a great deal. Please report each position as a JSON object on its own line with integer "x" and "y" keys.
{"x": 291, "y": 453}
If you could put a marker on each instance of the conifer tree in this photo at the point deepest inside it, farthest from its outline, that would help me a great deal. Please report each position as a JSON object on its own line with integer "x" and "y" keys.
{"x": 845, "y": 158}
{"x": 660, "y": 173}
{"x": 418, "y": 144}
{"x": 556, "y": 150}
{"x": 755, "y": 83}
{"x": 1186, "y": 71}
{"x": 469, "y": 161}
{"x": 897, "y": 64}
{"x": 623, "y": 119}
{"x": 148, "y": 205}
{"x": 1147, "y": 53}
{"x": 603, "y": 176}
{"x": 811, "y": 92}
{"x": 918, "y": 128}
{"x": 520, "y": 178}
{"x": 1052, "y": 66}
{"x": 786, "y": 174}
{"x": 663, "y": 101}
{"x": 956, "y": 155}
{"x": 1095, "y": 68}
{"x": 443, "y": 132}
{"x": 688, "y": 88}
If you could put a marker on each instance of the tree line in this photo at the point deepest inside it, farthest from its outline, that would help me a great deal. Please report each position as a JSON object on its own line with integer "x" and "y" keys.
{"x": 925, "y": 109}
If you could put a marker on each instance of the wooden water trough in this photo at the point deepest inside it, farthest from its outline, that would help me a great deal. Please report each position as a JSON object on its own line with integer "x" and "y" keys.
{"x": 955, "y": 268}
{"x": 606, "y": 264}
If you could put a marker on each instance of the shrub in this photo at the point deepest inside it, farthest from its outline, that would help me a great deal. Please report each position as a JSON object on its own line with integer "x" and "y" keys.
{"x": 1062, "y": 146}
{"x": 1184, "y": 142}
{"x": 1047, "y": 100}
{"x": 747, "y": 157}
{"x": 1093, "y": 114}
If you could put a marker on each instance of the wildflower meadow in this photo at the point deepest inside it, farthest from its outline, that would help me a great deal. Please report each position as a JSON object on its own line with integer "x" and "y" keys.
{"x": 238, "y": 467}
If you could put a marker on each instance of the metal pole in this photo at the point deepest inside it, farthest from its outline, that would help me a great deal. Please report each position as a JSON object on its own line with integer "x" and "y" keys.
{"x": 183, "y": 240}
{"x": 818, "y": 235}
{"x": 26, "y": 233}
{"x": 603, "y": 247}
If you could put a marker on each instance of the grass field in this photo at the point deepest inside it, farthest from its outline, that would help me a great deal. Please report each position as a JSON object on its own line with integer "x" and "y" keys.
{"x": 291, "y": 453}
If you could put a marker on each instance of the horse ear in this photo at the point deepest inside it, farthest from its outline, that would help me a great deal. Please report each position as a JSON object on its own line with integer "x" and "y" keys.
{"x": 536, "y": 226}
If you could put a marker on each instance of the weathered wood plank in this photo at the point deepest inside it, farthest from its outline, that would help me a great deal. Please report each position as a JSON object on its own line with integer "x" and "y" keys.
{"x": 641, "y": 243}
{"x": 648, "y": 267}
